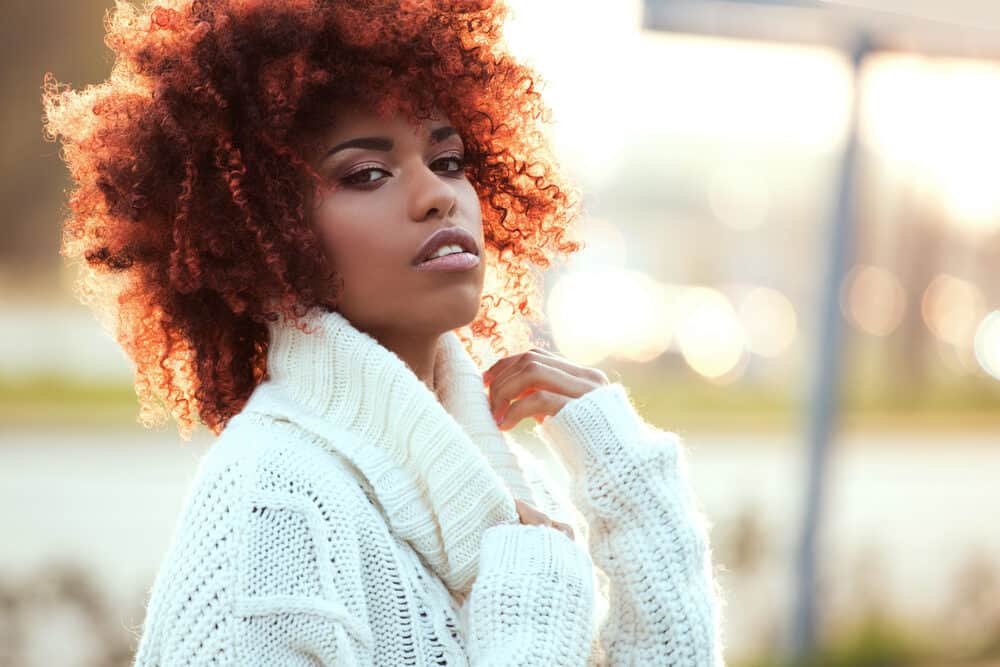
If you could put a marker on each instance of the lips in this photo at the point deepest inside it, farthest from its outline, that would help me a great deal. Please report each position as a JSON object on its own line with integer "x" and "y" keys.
{"x": 446, "y": 236}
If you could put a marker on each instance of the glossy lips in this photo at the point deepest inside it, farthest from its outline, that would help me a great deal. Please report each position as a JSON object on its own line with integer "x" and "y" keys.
{"x": 459, "y": 261}
{"x": 453, "y": 262}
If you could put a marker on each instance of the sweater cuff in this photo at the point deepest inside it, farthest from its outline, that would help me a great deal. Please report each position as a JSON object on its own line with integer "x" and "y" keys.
{"x": 587, "y": 427}
{"x": 529, "y": 549}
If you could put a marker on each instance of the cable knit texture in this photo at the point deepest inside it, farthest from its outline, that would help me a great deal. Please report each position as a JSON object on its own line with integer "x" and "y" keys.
{"x": 350, "y": 515}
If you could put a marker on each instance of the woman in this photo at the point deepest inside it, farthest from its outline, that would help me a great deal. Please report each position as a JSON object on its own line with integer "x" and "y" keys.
{"x": 291, "y": 210}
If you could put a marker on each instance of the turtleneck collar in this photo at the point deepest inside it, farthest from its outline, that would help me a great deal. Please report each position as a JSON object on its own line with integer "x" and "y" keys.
{"x": 435, "y": 461}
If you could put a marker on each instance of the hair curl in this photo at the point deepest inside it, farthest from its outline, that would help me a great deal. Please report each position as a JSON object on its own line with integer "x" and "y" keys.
{"x": 188, "y": 210}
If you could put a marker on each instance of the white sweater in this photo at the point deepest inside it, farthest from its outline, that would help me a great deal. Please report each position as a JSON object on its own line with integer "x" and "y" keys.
{"x": 349, "y": 515}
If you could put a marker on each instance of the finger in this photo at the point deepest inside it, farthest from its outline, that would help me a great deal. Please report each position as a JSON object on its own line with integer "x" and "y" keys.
{"x": 528, "y": 513}
{"x": 538, "y": 402}
{"x": 515, "y": 362}
{"x": 532, "y": 516}
{"x": 534, "y": 375}
{"x": 535, "y": 519}
{"x": 499, "y": 397}
{"x": 564, "y": 527}
{"x": 507, "y": 364}
{"x": 491, "y": 373}
{"x": 503, "y": 365}
{"x": 497, "y": 377}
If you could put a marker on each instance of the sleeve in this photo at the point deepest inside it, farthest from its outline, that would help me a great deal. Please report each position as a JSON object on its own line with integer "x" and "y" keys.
{"x": 645, "y": 532}
{"x": 254, "y": 577}
{"x": 533, "y": 599}
{"x": 299, "y": 595}
{"x": 254, "y": 599}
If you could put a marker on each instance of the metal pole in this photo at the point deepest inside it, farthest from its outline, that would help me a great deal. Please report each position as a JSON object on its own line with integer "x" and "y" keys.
{"x": 824, "y": 399}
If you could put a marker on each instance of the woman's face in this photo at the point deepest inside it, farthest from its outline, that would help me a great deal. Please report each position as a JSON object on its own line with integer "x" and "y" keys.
{"x": 390, "y": 188}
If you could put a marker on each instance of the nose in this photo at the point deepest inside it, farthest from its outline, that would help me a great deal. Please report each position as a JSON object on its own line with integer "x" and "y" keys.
{"x": 430, "y": 195}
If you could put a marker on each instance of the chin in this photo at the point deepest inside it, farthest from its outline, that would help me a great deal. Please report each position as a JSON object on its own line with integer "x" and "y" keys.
{"x": 459, "y": 317}
{"x": 456, "y": 311}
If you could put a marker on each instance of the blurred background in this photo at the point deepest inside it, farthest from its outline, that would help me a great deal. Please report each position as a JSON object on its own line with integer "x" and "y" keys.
{"x": 793, "y": 261}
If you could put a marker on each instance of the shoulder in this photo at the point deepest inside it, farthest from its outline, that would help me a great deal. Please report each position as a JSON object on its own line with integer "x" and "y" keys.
{"x": 305, "y": 524}
{"x": 269, "y": 528}
{"x": 263, "y": 463}
{"x": 279, "y": 458}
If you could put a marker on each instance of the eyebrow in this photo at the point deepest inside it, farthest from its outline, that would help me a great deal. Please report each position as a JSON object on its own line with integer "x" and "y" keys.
{"x": 385, "y": 143}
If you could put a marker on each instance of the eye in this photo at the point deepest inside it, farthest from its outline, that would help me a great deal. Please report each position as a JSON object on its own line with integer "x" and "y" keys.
{"x": 362, "y": 176}
{"x": 353, "y": 177}
{"x": 457, "y": 159}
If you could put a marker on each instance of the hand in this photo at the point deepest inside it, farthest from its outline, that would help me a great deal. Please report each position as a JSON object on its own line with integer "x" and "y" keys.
{"x": 536, "y": 383}
{"x": 532, "y": 516}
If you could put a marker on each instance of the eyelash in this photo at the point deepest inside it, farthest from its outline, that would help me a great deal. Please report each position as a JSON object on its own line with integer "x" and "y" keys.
{"x": 346, "y": 180}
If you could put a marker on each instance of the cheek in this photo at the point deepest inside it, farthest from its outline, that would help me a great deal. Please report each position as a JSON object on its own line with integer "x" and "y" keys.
{"x": 469, "y": 198}
{"x": 355, "y": 236}
{"x": 339, "y": 225}
{"x": 468, "y": 194}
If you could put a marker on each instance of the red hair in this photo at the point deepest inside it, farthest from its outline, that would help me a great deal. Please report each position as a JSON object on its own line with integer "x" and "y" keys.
{"x": 188, "y": 212}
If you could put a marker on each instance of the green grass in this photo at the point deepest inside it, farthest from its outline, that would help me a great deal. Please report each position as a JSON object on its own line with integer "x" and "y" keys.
{"x": 49, "y": 401}
{"x": 877, "y": 641}
{"x": 701, "y": 405}
{"x": 692, "y": 405}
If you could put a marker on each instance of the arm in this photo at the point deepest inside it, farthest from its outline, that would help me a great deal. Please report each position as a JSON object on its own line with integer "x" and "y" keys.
{"x": 532, "y": 602}
{"x": 293, "y": 594}
{"x": 248, "y": 582}
{"x": 291, "y": 605}
{"x": 646, "y": 532}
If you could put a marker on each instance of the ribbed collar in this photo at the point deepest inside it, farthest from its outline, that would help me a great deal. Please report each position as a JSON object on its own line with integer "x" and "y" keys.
{"x": 436, "y": 462}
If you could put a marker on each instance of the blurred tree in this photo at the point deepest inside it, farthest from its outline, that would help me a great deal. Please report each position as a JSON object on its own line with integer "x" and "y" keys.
{"x": 66, "y": 38}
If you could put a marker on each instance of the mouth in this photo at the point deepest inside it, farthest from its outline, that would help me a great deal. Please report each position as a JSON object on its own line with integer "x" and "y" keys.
{"x": 456, "y": 261}
{"x": 446, "y": 242}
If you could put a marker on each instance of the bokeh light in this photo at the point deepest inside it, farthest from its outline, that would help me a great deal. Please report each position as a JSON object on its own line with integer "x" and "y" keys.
{"x": 709, "y": 333}
{"x": 951, "y": 308}
{"x": 987, "y": 344}
{"x": 769, "y": 321}
{"x": 873, "y": 299}
{"x": 602, "y": 313}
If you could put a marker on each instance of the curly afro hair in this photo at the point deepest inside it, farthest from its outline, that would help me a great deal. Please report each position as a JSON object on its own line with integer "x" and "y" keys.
{"x": 188, "y": 215}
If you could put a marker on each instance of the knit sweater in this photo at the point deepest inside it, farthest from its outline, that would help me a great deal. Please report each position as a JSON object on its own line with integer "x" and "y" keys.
{"x": 349, "y": 515}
